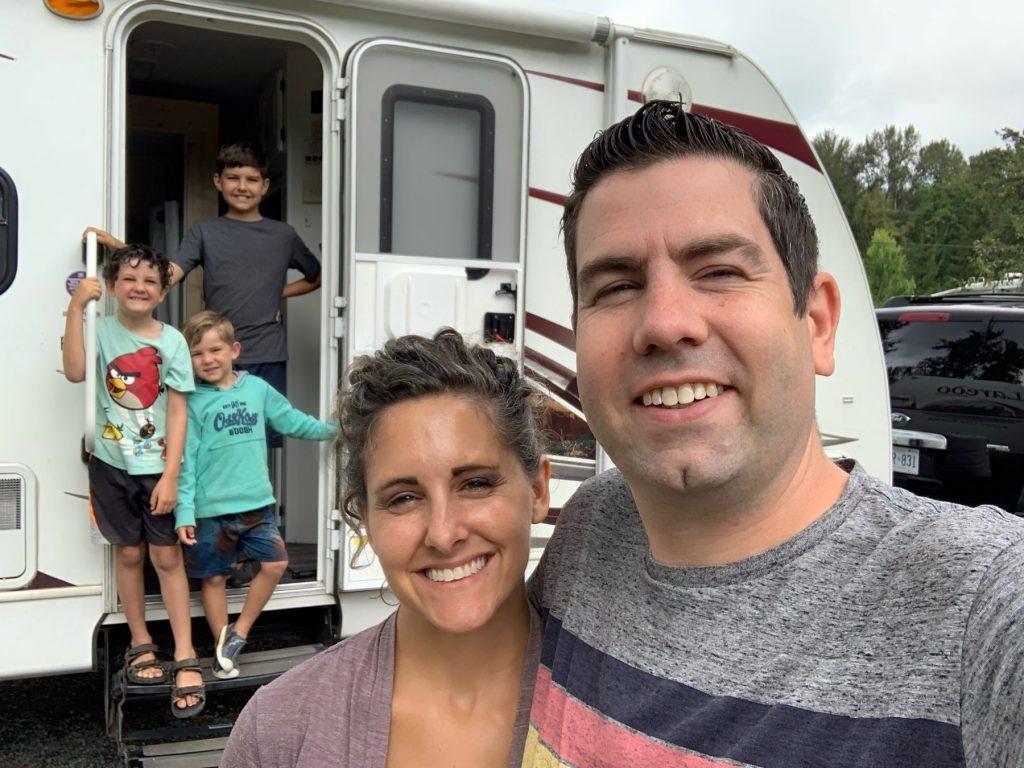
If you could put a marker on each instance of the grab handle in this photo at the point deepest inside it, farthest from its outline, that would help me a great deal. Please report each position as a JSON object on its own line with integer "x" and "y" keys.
{"x": 90, "y": 348}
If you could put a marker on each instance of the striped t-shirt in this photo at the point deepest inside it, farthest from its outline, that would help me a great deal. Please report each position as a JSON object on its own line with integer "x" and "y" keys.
{"x": 889, "y": 633}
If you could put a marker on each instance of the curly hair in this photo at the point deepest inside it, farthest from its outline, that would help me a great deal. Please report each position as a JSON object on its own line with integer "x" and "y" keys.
{"x": 134, "y": 254}
{"x": 411, "y": 367}
{"x": 664, "y": 130}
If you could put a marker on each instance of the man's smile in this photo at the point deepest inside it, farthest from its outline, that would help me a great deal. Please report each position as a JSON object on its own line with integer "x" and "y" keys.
{"x": 682, "y": 395}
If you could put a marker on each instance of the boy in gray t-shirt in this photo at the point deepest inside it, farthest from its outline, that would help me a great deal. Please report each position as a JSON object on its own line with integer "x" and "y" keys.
{"x": 245, "y": 260}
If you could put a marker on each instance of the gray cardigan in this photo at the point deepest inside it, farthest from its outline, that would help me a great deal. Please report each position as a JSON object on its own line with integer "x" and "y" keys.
{"x": 334, "y": 710}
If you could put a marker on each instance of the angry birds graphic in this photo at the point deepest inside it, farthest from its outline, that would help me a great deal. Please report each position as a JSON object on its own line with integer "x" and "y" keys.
{"x": 133, "y": 380}
{"x": 110, "y": 432}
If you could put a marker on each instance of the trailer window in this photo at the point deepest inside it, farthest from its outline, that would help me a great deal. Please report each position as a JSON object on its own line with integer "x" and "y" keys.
{"x": 8, "y": 231}
{"x": 436, "y": 146}
{"x": 437, "y": 153}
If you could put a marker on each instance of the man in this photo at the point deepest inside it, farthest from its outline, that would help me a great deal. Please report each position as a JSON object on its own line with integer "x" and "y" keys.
{"x": 729, "y": 596}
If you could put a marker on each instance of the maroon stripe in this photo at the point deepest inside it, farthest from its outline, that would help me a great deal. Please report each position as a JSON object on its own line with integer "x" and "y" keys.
{"x": 569, "y": 394}
{"x": 46, "y": 581}
{"x": 548, "y": 197}
{"x": 552, "y": 517}
{"x": 549, "y": 330}
{"x": 571, "y": 80}
{"x": 551, "y": 365}
{"x": 554, "y": 388}
{"x": 784, "y": 137}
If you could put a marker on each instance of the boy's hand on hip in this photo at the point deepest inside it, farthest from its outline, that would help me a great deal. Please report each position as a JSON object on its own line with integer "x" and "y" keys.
{"x": 164, "y": 497}
{"x": 187, "y": 534}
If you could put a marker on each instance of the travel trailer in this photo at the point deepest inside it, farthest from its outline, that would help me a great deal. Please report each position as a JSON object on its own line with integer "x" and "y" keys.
{"x": 421, "y": 148}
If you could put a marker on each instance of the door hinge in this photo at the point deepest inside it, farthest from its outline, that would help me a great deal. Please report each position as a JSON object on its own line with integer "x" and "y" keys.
{"x": 334, "y": 529}
{"x": 337, "y": 110}
{"x": 338, "y": 315}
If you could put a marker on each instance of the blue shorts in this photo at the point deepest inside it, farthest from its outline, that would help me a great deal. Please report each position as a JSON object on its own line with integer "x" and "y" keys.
{"x": 219, "y": 540}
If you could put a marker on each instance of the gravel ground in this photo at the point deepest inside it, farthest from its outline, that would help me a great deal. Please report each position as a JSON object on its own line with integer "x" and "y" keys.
{"x": 59, "y": 721}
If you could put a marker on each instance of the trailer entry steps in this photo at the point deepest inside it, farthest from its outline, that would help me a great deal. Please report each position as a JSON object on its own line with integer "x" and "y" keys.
{"x": 201, "y": 753}
{"x": 185, "y": 743}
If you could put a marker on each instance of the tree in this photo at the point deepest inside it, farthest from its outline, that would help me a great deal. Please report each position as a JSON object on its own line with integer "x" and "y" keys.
{"x": 842, "y": 165}
{"x": 936, "y": 161}
{"x": 886, "y": 267}
{"x": 889, "y": 157}
{"x": 872, "y": 211}
{"x": 946, "y": 220}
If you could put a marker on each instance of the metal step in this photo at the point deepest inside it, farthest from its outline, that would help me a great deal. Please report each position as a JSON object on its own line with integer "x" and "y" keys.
{"x": 201, "y": 753}
{"x": 255, "y": 669}
{"x": 184, "y": 744}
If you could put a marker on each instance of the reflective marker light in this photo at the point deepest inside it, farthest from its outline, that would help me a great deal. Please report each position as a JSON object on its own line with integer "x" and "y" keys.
{"x": 75, "y": 9}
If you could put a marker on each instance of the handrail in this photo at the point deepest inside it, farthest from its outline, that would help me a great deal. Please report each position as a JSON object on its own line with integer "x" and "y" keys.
{"x": 90, "y": 348}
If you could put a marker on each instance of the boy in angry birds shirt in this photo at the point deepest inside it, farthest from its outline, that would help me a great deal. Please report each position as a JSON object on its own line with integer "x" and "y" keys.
{"x": 144, "y": 372}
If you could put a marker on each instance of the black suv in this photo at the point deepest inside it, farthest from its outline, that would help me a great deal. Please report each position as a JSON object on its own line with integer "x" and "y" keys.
{"x": 956, "y": 386}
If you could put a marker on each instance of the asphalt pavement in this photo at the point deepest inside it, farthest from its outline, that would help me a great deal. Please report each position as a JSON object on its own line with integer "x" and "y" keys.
{"x": 58, "y": 722}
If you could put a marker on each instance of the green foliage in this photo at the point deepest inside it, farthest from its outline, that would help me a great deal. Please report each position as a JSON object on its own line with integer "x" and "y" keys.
{"x": 843, "y": 167}
{"x": 945, "y": 218}
{"x": 886, "y": 267}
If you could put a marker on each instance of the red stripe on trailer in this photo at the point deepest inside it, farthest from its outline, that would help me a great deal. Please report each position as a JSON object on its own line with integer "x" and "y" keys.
{"x": 555, "y": 332}
{"x": 784, "y": 137}
{"x": 556, "y": 368}
{"x": 571, "y": 80}
{"x": 46, "y": 581}
{"x": 549, "y": 197}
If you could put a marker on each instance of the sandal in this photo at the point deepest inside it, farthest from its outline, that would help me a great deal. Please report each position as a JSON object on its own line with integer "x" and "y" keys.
{"x": 131, "y": 671}
{"x": 179, "y": 693}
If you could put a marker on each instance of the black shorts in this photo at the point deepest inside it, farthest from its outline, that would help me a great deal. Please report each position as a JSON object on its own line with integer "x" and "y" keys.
{"x": 276, "y": 375}
{"x": 120, "y": 506}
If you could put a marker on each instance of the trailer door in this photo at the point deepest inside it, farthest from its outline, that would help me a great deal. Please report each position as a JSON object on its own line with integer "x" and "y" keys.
{"x": 435, "y": 202}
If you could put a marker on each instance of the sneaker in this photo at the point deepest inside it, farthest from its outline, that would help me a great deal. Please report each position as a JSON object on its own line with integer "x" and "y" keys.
{"x": 229, "y": 646}
{"x": 220, "y": 672}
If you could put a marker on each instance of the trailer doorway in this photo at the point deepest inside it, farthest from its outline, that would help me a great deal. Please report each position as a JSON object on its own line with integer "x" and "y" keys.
{"x": 188, "y": 90}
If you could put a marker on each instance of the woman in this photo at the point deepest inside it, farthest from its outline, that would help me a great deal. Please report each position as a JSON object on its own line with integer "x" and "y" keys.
{"x": 445, "y": 472}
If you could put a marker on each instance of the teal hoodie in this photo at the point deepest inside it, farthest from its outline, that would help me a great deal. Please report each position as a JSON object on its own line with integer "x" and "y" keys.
{"x": 224, "y": 469}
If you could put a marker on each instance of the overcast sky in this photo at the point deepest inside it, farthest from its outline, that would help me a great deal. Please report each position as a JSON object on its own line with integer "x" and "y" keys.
{"x": 953, "y": 69}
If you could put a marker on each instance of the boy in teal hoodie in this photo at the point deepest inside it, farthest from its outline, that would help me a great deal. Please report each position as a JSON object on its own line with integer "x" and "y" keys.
{"x": 225, "y": 499}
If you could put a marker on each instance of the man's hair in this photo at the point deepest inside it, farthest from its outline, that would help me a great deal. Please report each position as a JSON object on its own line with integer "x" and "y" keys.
{"x": 664, "y": 130}
{"x": 241, "y": 154}
{"x": 132, "y": 255}
{"x": 204, "y": 321}
{"x": 413, "y": 367}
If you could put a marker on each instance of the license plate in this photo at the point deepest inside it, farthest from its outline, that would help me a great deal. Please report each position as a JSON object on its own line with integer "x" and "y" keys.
{"x": 906, "y": 460}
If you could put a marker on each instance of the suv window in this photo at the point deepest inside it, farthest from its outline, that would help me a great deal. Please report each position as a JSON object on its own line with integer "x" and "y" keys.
{"x": 956, "y": 349}
{"x": 970, "y": 353}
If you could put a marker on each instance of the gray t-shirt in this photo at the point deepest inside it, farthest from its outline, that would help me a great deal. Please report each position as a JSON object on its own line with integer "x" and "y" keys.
{"x": 890, "y": 632}
{"x": 334, "y": 710}
{"x": 245, "y": 267}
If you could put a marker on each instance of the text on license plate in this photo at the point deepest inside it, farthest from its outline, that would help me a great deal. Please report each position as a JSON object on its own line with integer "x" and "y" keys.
{"x": 906, "y": 460}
